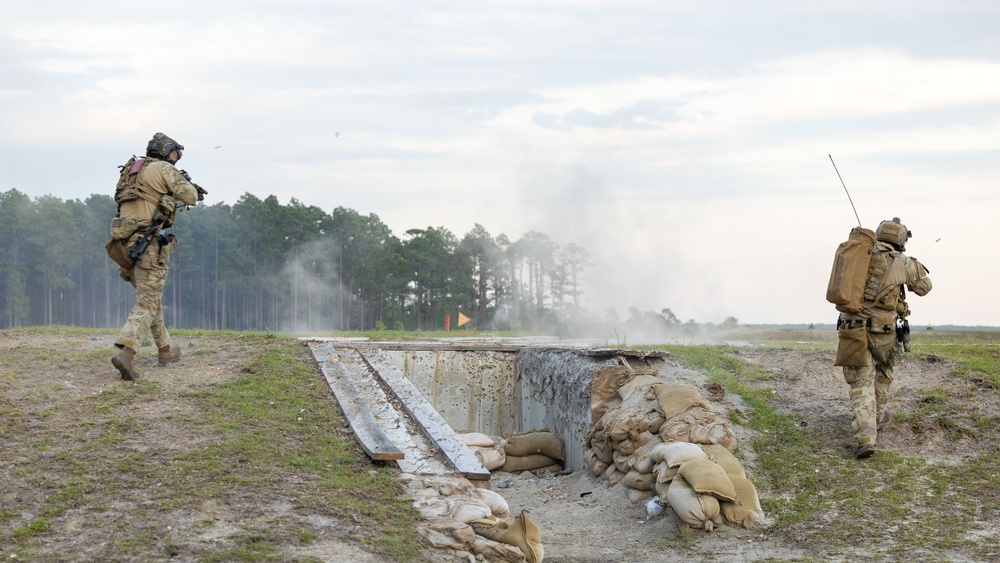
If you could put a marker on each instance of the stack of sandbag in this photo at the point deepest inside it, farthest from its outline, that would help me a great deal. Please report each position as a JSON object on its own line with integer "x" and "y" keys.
{"x": 704, "y": 485}
{"x": 460, "y": 516}
{"x": 689, "y": 418}
{"x": 649, "y": 431}
{"x": 534, "y": 450}
{"x": 629, "y": 423}
{"x": 491, "y": 452}
{"x": 449, "y": 505}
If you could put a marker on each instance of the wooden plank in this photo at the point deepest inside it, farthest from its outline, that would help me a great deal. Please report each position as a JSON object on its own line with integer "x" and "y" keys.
{"x": 359, "y": 415}
{"x": 440, "y": 346}
{"x": 431, "y": 423}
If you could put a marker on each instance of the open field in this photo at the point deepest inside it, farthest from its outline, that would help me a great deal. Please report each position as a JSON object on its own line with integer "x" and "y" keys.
{"x": 239, "y": 453}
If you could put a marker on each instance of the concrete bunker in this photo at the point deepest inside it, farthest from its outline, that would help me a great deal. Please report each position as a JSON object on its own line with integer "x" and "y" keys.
{"x": 503, "y": 389}
{"x": 632, "y": 424}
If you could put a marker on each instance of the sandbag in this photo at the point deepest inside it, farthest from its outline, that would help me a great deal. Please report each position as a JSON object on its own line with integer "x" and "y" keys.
{"x": 646, "y": 437}
{"x": 497, "y": 504}
{"x": 597, "y": 467}
{"x": 656, "y": 422}
{"x": 676, "y": 453}
{"x": 641, "y": 460}
{"x": 604, "y": 389}
{"x": 536, "y": 442}
{"x": 492, "y": 458}
{"x": 491, "y": 550}
{"x": 517, "y": 464}
{"x": 692, "y": 510}
{"x": 635, "y": 496}
{"x": 677, "y": 398}
{"x": 631, "y": 418}
{"x": 447, "y": 533}
{"x": 466, "y": 509}
{"x": 603, "y": 451}
{"x": 476, "y": 439}
{"x": 613, "y": 475}
{"x": 724, "y": 458}
{"x": 707, "y": 477}
{"x": 664, "y": 473}
{"x": 746, "y": 510}
{"x": 520, "y": 532}
{"x": 699, "y": 426}
{"x": 641, "y": 481}
{"x": 431, "y": 508}
{"x": 636, "y": 383}
{"x": 625, "y": 447}
{"x": 621, "y": 461}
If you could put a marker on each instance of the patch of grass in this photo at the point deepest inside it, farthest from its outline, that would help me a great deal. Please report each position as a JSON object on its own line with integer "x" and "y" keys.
{"x": 979, "y": 363}
{"x": 804, "y": 482}
{"x": 274, "y": 432}
{"x": 276, "y": 419}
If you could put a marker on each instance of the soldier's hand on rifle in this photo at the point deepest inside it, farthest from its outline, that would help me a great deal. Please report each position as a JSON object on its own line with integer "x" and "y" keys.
{"x": 202, "y": 192}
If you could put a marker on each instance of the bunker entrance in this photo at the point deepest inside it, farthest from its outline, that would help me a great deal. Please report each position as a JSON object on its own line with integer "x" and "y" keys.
{"x": 502, "y": 390}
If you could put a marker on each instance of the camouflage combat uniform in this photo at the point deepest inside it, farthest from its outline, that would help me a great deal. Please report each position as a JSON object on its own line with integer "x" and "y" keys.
{"x": 149, "y": 275}
{"x": 870, "y": 383}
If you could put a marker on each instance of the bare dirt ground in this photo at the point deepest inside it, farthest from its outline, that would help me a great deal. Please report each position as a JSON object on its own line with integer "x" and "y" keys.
{"x": 581, "y": 518}
{"x": 68, "y": 404}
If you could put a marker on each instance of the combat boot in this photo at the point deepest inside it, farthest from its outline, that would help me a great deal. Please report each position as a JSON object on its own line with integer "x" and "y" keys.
{"x": 168, "y": 355}
{"x": 124, "y": 362}
{"x": 865, "y": 450}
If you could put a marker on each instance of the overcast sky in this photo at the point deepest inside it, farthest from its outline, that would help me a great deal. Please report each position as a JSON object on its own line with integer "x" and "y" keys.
{"x": 683, "y": 144}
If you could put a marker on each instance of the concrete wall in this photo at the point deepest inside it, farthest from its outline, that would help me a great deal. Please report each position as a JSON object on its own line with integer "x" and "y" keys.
{"x": 472, "y": 389}
{"x": 502, "y": 392}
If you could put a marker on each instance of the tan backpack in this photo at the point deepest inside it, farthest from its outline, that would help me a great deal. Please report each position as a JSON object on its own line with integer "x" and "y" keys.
{"x": 849, "y": 274}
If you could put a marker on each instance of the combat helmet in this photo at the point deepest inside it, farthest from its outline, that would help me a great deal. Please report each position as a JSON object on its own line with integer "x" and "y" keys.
{"x": 160, "y": 146}
{"x": 894, "y": 232}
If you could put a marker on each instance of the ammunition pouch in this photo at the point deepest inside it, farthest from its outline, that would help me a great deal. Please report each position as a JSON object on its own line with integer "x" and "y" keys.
{"x": 167, "y": 206}
{"x": 117, "y": 252}
{"x": 852, "y": 342}
{"x": 882, "y": 322}
{"x": 123, "y": 226}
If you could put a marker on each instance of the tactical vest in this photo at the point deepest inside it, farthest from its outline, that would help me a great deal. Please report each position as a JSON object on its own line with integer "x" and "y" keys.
{"x": 129, "y": 189}
{"x": 882, "y": 293}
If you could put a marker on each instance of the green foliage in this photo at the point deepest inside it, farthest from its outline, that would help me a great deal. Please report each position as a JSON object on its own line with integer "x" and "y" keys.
{"x": 259, "y": 264}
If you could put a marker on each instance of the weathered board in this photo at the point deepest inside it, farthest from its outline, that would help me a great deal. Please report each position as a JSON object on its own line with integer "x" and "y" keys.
{"x": 359, "y": 415}
{"x": 431, "y": 423}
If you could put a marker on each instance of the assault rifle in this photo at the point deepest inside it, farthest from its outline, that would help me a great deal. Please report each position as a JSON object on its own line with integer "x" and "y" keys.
{"x": 152, "y": 233}
{"x": 202, "y": 192}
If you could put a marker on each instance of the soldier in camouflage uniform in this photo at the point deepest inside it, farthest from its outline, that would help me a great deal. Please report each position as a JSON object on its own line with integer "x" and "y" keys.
{"x": 884, "y": 316}
{"x": 153, "y": 190}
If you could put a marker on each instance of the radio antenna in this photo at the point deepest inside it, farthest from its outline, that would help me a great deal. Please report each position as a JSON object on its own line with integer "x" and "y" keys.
{"x": 845, "y": 190}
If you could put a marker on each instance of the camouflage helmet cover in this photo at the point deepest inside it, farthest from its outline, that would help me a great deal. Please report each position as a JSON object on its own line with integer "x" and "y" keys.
{"x": 161, "y": 146}
{"x": 893, "y": 232}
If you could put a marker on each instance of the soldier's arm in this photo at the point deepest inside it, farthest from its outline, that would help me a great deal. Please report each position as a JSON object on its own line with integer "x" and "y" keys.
{"x": 917, "y": 279}
{"x": 182, "y": 190}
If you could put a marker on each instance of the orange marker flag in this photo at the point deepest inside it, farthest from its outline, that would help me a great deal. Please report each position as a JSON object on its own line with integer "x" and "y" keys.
{"x": 462, "y": 319}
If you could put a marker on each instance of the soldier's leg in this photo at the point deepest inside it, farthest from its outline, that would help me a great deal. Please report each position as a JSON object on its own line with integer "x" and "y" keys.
{"x": 149, "y": 280}
{"x": 862, "y": 382}
{"x": 160, "y": 335}
{"x": 887, "y": 355}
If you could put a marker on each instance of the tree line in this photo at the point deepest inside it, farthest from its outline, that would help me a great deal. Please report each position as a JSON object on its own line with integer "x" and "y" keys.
{"x": 261, "y": 265}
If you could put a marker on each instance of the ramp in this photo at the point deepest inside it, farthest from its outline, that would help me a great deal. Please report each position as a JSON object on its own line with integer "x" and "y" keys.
{"x": 390, "y": 418}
